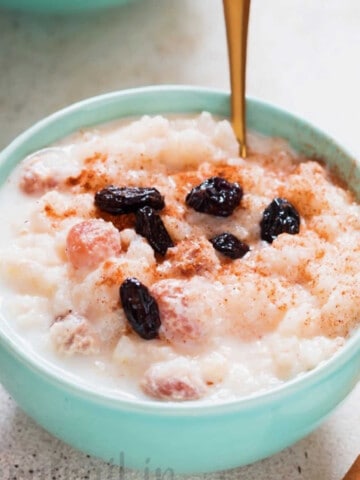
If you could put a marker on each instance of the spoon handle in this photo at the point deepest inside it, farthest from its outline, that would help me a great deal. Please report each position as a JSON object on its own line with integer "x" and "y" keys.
{"x": 236, "y": 20}
{"x": 354, "y": 472}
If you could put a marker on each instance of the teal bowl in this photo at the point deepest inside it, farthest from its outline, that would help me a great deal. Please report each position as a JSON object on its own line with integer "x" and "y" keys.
{"x": 60, "y": 6}
{"x": 181, "y": 437}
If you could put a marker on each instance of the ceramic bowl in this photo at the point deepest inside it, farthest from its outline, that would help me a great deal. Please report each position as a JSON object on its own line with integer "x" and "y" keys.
{"x": 182, "y": 437}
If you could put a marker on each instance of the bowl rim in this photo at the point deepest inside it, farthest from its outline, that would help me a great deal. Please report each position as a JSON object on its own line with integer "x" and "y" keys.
{"x": 61, "y": 379}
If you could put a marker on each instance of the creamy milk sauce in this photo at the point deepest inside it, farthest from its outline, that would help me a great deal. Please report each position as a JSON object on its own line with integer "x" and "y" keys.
{"x": 229, "y": 327}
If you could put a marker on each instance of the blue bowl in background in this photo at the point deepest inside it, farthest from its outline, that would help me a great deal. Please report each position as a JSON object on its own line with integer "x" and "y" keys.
{"x": 60, "y": 6}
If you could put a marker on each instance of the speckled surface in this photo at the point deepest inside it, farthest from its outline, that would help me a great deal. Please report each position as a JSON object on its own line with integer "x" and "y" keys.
{"x": 302, "y": 57}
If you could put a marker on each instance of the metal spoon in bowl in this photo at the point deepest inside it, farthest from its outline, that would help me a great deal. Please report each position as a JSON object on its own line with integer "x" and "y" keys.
{"x": 237, "y": 19}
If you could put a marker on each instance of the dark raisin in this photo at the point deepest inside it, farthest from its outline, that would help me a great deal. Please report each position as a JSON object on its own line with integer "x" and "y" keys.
{"x": 215, "y": 196}
{"x": 149, "y": 225}
{"x": 229, "y": 245}
{"x": 140, "y": 307}
{"x": 279, "y": 217}
{"x": 119, "y": 200}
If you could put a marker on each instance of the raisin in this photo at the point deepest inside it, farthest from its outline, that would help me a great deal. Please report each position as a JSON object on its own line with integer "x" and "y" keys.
{"x": 229, "y": 245}
{"x": 280, "y": 216}
{"x": 149, "y": 225}
{"x": 215, "y": 196}
{"x": 141, "y": 309}
{"x": 119, "y": 200}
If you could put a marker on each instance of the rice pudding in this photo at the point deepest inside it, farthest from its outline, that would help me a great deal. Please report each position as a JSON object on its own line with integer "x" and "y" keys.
{"x": 145, "y": 257}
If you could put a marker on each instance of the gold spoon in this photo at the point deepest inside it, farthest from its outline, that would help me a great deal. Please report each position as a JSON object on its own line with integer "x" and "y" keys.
{"x": 237, "y": 19}
{"x": 354, "y": 472}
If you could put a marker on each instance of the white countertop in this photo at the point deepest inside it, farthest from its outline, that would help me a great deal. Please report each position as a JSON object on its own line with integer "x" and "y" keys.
{"x": 304, "y": 56}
